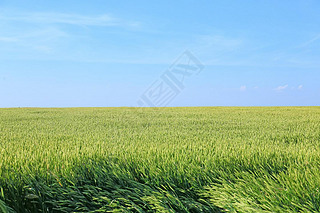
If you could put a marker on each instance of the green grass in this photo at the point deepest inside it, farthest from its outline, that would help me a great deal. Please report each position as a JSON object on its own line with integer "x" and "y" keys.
{"x": 208, "y": 159}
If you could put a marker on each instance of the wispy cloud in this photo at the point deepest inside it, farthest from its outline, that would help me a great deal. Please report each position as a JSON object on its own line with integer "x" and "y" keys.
{"x": 307, "y": 43}
{"x": 42, "y": 40}
{"x": 46, "y": 32}
{"x": 17, "y": 25}
{"x": 7, "y": 39}
{"x": 218, "y": 49}
{"x": 300, "y": 87}
{"x": 281, "y": 88}
{"x": 220, "y": 41}
{"x": 65, "y": 18}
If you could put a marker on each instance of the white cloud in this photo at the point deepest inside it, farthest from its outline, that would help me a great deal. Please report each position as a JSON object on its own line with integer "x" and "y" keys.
{"x": 243, "y": 88}
{"x": 300, "y": 87}
{"x": 280, "y": 88}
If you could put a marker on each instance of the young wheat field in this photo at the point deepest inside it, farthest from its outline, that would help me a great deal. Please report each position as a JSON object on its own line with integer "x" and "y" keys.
{"x": 197, "y": 159}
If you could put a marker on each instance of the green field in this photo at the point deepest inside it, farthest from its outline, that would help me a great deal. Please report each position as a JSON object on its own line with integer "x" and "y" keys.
{"x": 206, "y": 159}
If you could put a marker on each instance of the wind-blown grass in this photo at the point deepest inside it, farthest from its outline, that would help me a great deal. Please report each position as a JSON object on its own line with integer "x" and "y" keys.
{"x": 208, "y": 159}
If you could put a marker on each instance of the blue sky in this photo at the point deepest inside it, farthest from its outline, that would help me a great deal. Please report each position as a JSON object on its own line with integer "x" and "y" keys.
{"x": 108, "y": 53}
